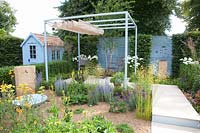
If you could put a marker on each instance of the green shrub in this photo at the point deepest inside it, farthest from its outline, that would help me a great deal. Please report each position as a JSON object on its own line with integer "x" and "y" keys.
{"x": 196, "y": 84}
{"x": 4, "y": 75}
{"x": 60, "y": 87}
{"x": 98, "y": 125}
{"x": 117, "y": 106}
{"x": 132, "y": 102}
{"x": 10, "y": 51}
{"x": 187, "y": 75}
{"x": 93, "y": 95}
{"x": 77, "y": 93}
{"x": 124, "y": 128}
{"x": 180, "y": 50}
{"x": 117, "y": 78}
{"x": 118, "y": 90}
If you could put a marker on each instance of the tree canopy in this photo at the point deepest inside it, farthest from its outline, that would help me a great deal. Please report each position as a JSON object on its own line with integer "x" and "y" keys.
{"x": 190, "y": 12}
{"x": 151, "y": 16}
{"x": 7, "y": 18}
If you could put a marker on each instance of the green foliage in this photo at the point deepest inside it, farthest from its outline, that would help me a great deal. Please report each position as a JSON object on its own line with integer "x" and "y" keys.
{"x": 8, "y": 20}
{"x": 77, "y": 93}
{"x": 117, "y": 106}
{"x": 78, "y": 111}
{"x": 188, "y": 74}
{"x": 117, "y": 78}
{"x": 143, "y": 94}
{"x": 196, "y": 84}
{"x": 152, "y": 16}
{"x": 4, "y": 75}
{"x": 55, "y": 68}
{"x": 132, "y": 102}
{"x": 166, "y": 81}
{"x": 48, "y": 84}
{"x": 189, "y": 11}
{"x": 124, "y": 128}
{"x": 10, "y": 51}
{"x": 148, "y": 14}
{"x": 54, "y": 109}
{"x": 93, "y": 95}
{"x": 98, "y": 125}
{"x": 144, "y": 48}
{"x": 180, "y": 49}
{"x": 118, "y": 90}
{"x": 74, "y": 7}
{"x": 105, "y": 92}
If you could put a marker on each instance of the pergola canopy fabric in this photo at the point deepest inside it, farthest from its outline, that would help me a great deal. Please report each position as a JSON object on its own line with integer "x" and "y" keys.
{"x": 80, "y": 26}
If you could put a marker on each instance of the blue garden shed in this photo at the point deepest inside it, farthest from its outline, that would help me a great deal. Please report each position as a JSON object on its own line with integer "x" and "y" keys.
{"x": 33, "y": 49}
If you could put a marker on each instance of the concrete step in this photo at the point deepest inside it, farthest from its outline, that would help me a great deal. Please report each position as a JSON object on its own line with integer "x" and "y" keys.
{"x": 165, "y": 128}
{"x": 170, "y": 106}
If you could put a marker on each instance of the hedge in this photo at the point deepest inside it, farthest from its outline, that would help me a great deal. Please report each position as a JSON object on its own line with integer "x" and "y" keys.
{"x": 143, "y": 48}
{"x": 54, "y": 68}
{"x": 180, "y": 50}
{"x": 188, "y": 74}
{"x": 10, "y": 51}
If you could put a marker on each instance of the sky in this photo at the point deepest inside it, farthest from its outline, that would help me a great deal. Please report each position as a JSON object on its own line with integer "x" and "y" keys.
{"x": 31, "y": 14}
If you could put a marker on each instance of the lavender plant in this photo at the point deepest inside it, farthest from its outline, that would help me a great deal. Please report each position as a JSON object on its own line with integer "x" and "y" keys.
{"x": 60, "y": 86}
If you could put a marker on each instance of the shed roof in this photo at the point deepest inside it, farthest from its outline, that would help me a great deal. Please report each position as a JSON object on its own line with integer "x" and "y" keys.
{"x": 51, "y": 40}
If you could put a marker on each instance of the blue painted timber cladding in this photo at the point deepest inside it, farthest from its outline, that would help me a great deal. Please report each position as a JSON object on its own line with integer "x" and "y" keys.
{"x": 117, "y": 56}
{"x": 161, "y": 51}
{"x": 31, "y": 40}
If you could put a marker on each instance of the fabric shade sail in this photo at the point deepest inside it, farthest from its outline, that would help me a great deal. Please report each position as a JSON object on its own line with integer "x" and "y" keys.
{"x": 80, "y": 26}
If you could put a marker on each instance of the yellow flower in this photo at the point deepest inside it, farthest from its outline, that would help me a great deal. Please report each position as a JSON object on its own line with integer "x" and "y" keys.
{"x": 9, "y": 86}
{"x": 18, "y": 110}
{"x": 1, "y": 128}
{"x": 11, "y": 72}
{"x": 35, "y": 122}
{"x": 28, "y": 105}
{"x": 18, "y": 98}
{"x": 3, "y": 88}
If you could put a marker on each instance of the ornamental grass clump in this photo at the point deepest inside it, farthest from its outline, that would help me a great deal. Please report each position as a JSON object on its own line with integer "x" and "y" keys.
{"x": 144, "y": 94}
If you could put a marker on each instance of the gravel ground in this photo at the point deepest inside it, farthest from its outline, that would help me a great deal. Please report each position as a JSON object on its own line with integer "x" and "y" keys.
{"x": 139, "y": 126}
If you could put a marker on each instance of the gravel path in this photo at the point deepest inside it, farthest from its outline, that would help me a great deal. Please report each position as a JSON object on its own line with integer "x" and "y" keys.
{"x": 139, "y": 126}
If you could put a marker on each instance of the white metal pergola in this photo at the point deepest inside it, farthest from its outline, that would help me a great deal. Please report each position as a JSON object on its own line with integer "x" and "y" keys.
{"x": 126, "y": 22}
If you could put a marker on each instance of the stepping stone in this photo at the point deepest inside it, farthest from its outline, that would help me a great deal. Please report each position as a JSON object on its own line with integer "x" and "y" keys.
{"x": 32, "y": 99}
{"x": 170, "y": 106}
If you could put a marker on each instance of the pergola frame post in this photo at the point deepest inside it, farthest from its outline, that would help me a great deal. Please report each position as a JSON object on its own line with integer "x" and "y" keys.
{"x": 126, "y": 51}
{"x": 124, "y": 23}
{"x": 79, "y": 52}
{"x": 45, "y": 52}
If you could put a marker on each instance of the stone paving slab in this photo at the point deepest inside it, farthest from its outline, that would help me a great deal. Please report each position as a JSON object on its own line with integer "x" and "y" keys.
{"x": 165, "y": 128}
{"x": 169, "y": 101}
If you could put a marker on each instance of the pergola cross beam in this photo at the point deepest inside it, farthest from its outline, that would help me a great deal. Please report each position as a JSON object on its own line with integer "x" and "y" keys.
{"x": 126, "y": 23}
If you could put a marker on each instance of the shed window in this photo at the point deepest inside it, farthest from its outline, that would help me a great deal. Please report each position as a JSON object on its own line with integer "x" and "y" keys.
{"x": 32, "y": 52}
{"x": 53, "y": 54}
{"x": 58, "y": 54}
